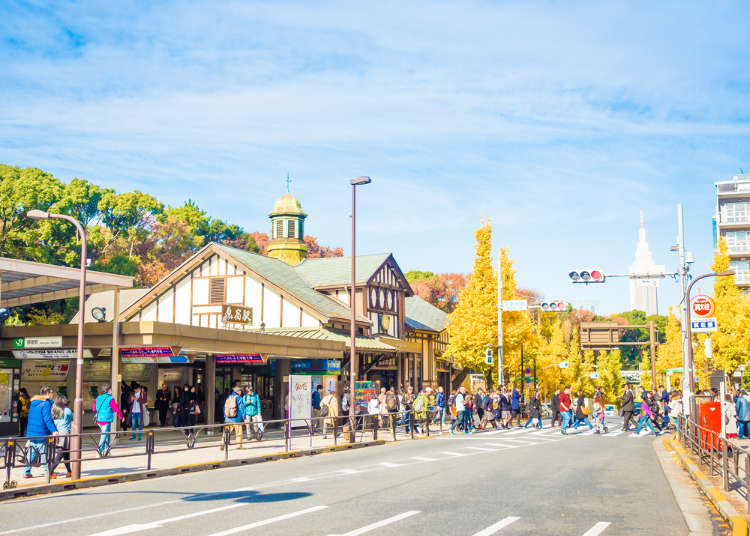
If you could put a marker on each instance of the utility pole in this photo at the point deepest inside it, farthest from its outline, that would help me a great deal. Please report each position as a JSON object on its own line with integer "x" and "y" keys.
{"x": 499, "y": 322}
{"x": 683, "y": 271}
{"x": 652, "y": 344}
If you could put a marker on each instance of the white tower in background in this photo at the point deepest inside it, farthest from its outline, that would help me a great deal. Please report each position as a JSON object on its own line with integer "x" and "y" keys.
{"x": 643, "y": 292}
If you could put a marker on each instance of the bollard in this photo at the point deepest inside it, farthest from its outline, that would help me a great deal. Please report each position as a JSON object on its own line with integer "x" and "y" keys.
{"x": 393, "y": 425}
{"x": 427, "y": 423}
{"x": 335, "y": 431}
{"x": 227, "y": 440}
{"x": 410, "y": 417}
{"x": 375, "y": 425}
{"x": 149, "y": 448}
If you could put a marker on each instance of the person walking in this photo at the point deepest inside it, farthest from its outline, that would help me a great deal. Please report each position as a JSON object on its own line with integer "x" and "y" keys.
{"x": 515, "y": 405}
{"x": 62, "y": 416}
{"x": 460, "y": 404}
{"x": 421, "y": 403}
{"x": 440, "y": 404}
{"x": 647, "y": 416}
{"x": 39, "y": 426}
{"x": 554, "y": 406}
{"x": 534, "y": 409}
{"x": 252, "y": 412}
{"x": 730, "y": 416}
{"x": 162, "y": 404}
{"x": 506, "y": 407}
{"x": 742, "y": 409}
{"x": 628, "y": 407}
{"x": 329, "y": 408}
{"x": 408, "y": 403}
{"x": 600, "y": 422}
{"x": 479, "y": 405}
{"x": 137, "y": 404}
{"x": 175, "y": 406}
{"x": 565, "y": 410}
{"x": 316, "y": 397}
{"x": 582, "y": 412}
{"x": 390, "y": 408}
{"x": 22, "y": 409}
{"x": 105, "y": 408}
{"x": 233, "y": 417}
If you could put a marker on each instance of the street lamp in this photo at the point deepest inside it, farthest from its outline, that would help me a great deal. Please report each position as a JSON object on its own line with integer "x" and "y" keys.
{"x": 691, "y": 377}
{"x": 352, "y": 308}
{"x": 75, "y": 440}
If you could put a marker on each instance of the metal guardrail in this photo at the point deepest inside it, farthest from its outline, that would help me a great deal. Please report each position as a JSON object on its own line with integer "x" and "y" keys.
{"x": 43, "y": 451}
{"x": 720, "y": 455}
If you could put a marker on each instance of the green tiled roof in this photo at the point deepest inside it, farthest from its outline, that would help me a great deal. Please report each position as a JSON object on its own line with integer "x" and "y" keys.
{"x": 423, "y": 315}
{"x": 332, "y": 271}
{"x": 363, "y": 343}
{"x": 282, "y": 275}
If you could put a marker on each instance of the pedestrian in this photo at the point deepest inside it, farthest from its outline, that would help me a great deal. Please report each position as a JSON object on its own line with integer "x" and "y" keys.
{"x": 391, "y": 407}
{"x": 676, "y": 408}
{"x": 176, "y": 406}
{"x": 555, "y": 408}
{"x": 316, "y": 397}
{"x": 440, "y": 405}
{"x": 62, "y": 416}
{"x": 460, "y": 404}
{"x": 22, "y": 409}
{"x": 489, "y": 403}
{"x": 582, "y": 412}
{"x": 137, "y": 405}
{"x": 40, "y": 426}
{"x": 506, "y": 408}
{"x": 534, "y": 410}
{"x": 600, "y": 422}
{"x": 186, "y": 406}
{"x": 628, "y": 407}
{"x": 479, "y": 405}
{"x": 566, "y": 409}
{"x": 124, "y": 395}
{"x": 329, "y": 408}
{"x": 742, "y": 409}
{"x": 421, "y": 405}
{"x": 233, "y": 416}
{"x": 162, "y": 404}
{"x": 373, "y": 411}
{"x": 408, "y": 404}
{"x": 105, "y": 408}
{"x": 450, "y": 408}
{"x": 647, "y": 416}
{"x": 468, "y": 423}
{"x": 195, "y": 407}
{"x": 730, "y": 417}
{"x": 515, "y": 405}
{"x": 252, "y": 412}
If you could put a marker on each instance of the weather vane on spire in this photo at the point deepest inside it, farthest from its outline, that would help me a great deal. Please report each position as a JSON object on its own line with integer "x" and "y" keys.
{"x": 288, "y": 181}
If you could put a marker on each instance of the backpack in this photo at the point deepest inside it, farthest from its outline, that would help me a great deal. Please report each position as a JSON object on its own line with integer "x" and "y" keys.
{"x": 419, "y": 404}
{"x": 230, "y": 406}
{"x": 391, "y": 402}
{"x": 323, "y": 410}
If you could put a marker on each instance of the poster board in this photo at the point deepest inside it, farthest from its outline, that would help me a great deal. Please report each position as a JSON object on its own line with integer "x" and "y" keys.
{"x": 363, "y": 392}
{"x": 300, "y": 399}
{"x": 476, "y": 381}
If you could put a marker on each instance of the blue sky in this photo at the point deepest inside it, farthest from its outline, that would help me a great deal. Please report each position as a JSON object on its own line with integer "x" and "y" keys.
{"x": 557, "y": 120}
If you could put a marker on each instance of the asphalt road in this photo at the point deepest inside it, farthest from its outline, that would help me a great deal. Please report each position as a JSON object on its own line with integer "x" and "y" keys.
{"x": 508, "y": 482}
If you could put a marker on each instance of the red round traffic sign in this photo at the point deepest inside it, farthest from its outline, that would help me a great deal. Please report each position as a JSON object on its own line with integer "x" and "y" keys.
{"x": 703, "y": 305}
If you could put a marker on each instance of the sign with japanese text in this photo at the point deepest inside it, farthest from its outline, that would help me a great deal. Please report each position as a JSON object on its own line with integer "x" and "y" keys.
{"x": 236, "y": 314}
{"x": 51, "y": 353}
{"x": 300, "y": 397}
{"x": 146, "y": 351}
{"x": 38, "y": 342}
{"x": 256, "y": 359}
{"x": 515, "y": 305}
{"x": 704, "y": 325}
{"x": 703, "y": 306}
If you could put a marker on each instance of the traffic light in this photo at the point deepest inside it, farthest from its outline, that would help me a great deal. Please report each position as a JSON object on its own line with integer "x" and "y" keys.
{"x": 587, "y": 276}
{"x": 488, "y": 356}
{"x": 554, "y": 306}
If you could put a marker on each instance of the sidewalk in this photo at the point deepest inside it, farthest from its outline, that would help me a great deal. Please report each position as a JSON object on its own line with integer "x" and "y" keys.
{"x": 129, "y": 456}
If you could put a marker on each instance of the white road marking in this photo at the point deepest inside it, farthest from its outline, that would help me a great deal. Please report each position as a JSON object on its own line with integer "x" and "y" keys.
{"x": 268, "y": 521}
{"x": 452, "y": 453}
{"x": 523, "y": 442}
{"x": 597, "y": 529}
{"x": 423, "y": 459}
{"x": 498, "y": 446}
{"x": 376, "y": 525}
{"x": 389, "y": 464}
{"x": 302, "y": 479}
{"x": 494, "y": 529}
{"x": 347, "y": 471}
{"x": 481, "y": 448}
{"x": 129, "y": 529}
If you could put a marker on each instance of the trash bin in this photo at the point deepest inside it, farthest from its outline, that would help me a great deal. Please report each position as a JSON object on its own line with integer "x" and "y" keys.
{"x": 710, "y": 419}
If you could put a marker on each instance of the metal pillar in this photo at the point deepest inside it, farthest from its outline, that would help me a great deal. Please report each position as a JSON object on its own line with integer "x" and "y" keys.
{"x": 115, "y": 377}
{"x": 652, "y": 344}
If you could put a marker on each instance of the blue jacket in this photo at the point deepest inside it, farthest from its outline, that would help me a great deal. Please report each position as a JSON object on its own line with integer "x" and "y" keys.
{"x": 252, "y": 404}
{"x": 742, "y": 406}
{"x": 316, "y": 400}
{"x": 516, "y": 404}
{"x": 440, "y": 400}
{"x": 104, "y": 411}
{"x": 240, "y": 410}
{"x": 40, "y": 418}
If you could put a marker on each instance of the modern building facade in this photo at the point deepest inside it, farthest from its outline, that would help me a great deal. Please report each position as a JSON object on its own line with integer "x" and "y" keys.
{"x": 644, "y": 291}
{"x": 732, "y": 222}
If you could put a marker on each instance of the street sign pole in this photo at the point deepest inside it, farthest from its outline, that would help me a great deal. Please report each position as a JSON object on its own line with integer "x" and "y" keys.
{"x": 499, "y": 321}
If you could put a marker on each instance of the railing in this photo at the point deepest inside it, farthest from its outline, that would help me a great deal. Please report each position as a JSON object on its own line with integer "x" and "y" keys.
{"x": 46, "y": 451}
{"x": 720, "y": 456}
{"x": 742, "y": 278}
{"x": 739, "y": 247}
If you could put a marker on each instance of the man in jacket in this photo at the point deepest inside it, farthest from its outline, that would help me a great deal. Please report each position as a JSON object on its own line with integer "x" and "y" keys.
{"x": 628, "y": 407}
{"x": 162, "y": 403}
{"x": 516, "y": 405}
{"x": 566, "y": 409}
{"x": 40, "y": 425}
{"x": 460, "y": 402}
{"x": 234, "y": 415}
{"x": 316, "y": 398}
{"x": 554, "y": 406}
{"x": 440, "y": 404}
{"x": 742, "y": 408}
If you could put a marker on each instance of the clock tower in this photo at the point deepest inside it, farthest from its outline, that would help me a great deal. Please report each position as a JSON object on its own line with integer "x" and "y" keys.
{"x": 287, "y": 231}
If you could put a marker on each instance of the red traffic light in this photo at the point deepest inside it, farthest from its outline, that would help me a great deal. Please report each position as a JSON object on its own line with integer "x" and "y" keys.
{"x": 596, "y": 275}
{"x": 587, "y": 276}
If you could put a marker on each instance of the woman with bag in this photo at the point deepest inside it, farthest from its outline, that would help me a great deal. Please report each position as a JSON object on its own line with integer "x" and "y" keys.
{"x": 534, "y": 409}
{"x": 176, "y": 407}
{"x": 582, "y": 412}
{"x": 599, "y": 418}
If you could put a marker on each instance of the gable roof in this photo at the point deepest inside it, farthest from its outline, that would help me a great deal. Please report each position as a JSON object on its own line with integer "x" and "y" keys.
{"x": 423, "y": 315}
{"x": 337, "y": 271}
{"x": 275, "y": 271}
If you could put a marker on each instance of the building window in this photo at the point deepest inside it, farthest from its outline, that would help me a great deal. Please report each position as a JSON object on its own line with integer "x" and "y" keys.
{"x": 300, "y": 229}
{"x": 216, "y": 290}
{"x": 735, "y": 212}
{"x": 279, "y": 231}
{"x": 738, "y": 241}
{"x": 290, "y": 229}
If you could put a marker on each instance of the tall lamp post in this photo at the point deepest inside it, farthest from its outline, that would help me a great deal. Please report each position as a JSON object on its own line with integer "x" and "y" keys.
{"x": 352, "y": 308}
{"x": 690, "y": 372}
{"x": 75, "y": 440}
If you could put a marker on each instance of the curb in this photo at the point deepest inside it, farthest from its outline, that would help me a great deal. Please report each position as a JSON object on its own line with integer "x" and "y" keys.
{"x": 714, "y": 494}
{"x": 97, "y": 481}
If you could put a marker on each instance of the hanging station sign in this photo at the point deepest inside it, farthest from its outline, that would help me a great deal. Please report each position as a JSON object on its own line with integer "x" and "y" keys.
{"x": 37, "y": 342}
{"x": 236, "y": 314}
{"x": 252, "y": 359}
{"x": 51, "y": 353}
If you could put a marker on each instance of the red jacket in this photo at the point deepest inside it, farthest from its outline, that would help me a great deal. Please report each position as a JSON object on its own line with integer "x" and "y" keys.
{"x": 565, "y": 403}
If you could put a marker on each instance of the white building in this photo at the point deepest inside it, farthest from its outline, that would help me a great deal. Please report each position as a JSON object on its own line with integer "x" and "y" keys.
{"x": 732, "y": 222}
{"x": 644, "y": 292}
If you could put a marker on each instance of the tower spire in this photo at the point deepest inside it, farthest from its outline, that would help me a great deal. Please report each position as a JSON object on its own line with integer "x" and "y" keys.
{"x": 288, "y": 182}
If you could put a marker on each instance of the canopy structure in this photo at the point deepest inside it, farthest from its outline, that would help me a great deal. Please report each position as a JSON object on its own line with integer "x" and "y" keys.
{"x": 25, "y": 282}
